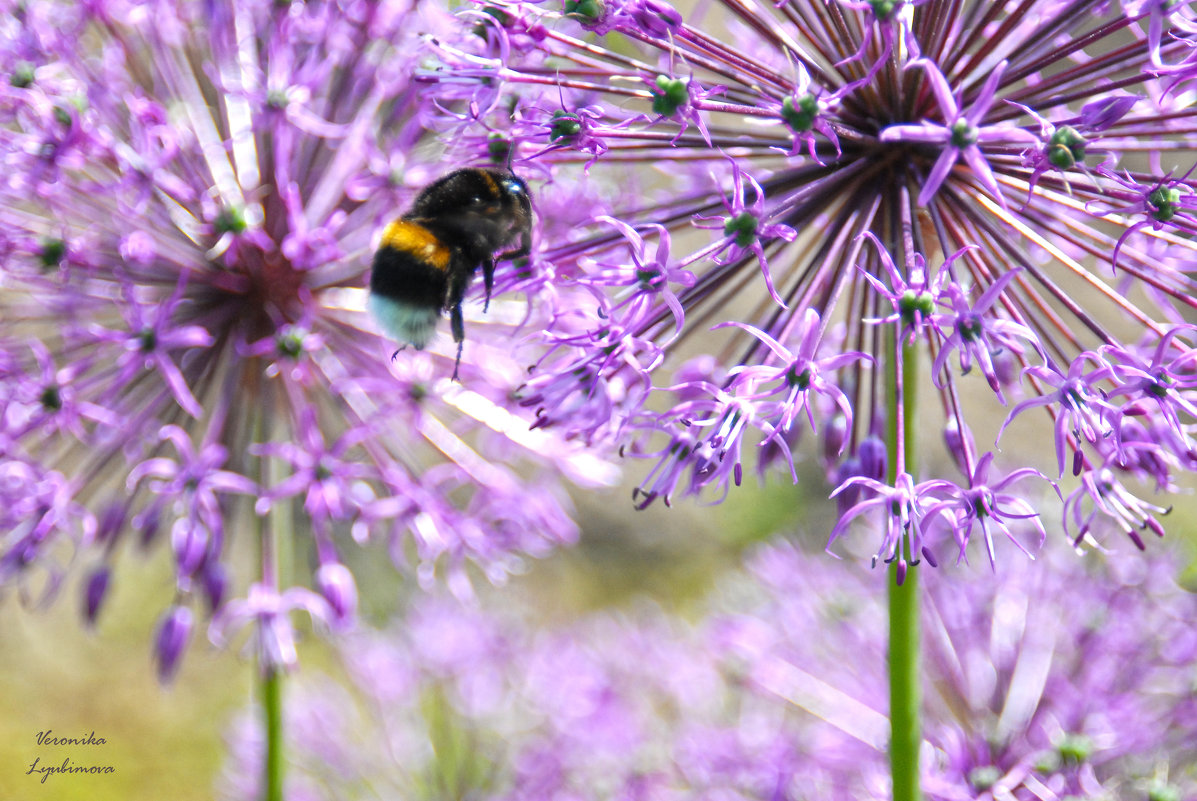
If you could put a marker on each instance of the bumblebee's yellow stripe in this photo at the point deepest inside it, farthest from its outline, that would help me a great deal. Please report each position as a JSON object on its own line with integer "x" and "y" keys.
{"x": 413, "y": 238}
{"x": 491, "y": 184}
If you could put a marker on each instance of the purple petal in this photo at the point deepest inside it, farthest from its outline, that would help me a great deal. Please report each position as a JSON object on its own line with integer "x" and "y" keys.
{"x": 943, "y": 165}
{"x": 985, "y": 98}
{"x": 943, "y": 92}
{"x": 1101, "y": 114}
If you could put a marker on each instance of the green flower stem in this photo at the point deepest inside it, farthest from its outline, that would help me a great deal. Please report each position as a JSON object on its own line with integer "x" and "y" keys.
{"x": 904, "y": 696}
{"x": 272, "y": 707}
{"x": 270, "y": 677}
{"x": 905, "y": 734}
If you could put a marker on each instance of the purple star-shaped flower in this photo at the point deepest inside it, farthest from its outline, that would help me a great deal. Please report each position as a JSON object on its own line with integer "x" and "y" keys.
{"x": 646, "y": 279}
{"x": 1082, "y": 410}
{"x": 976, "y": 334}
{"x": 743, "y": 230}
{"x": 1111, "y": 499}
{"x": 321, "y": 473}
{"x": 986, "y": 504}
{"x": 801, "y": 376}
{"x": 961, "y": 132}
{"x": 194, "y": 482}
{"x": 905, "y": 506}
{"x": 1163, "y": 378}
{"x": 914, "y": 296}
{"x": 151, "y": 338}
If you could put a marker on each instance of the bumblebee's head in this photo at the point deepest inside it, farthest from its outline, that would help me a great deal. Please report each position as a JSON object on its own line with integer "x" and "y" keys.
{"x": 517, "y": 200}
{"x": 491, "y": 205}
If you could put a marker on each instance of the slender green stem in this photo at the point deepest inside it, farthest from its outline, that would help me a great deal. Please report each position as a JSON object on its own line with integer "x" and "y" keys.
{"x": 272, "y": 707}
{"x": 904, "y": 699}
{"x": 270, "y": 676}
{"x": 904, "y": 696}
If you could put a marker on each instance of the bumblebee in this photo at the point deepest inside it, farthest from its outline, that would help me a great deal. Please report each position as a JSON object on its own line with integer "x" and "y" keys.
{"x": 428, "y": 256}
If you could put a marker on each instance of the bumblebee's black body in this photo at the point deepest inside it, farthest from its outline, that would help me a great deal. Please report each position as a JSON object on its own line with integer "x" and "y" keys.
{"x": 428, "y": 256}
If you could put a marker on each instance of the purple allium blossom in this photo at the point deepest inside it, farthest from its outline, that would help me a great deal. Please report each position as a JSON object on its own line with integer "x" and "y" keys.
{"x": 190, "y": 197}
{"x": 999, "y": 186}
{"x": 1041, "y": 684}
{"x": 959, "y": 133}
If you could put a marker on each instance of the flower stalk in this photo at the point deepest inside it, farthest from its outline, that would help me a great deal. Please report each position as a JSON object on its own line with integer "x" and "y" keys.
{"x": 271, "y": 688}
{"x": 902, "y": 593}
{"x": 904, "y": 677}
{"x": 274, "y": 556}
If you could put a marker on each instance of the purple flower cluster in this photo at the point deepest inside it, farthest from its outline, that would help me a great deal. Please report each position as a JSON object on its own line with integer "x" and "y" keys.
{"x": 190, "y": 197}
{"x": 1066, "y": 680}
{"x": 843, "y": 191}
{"x": 1073, "y": 681}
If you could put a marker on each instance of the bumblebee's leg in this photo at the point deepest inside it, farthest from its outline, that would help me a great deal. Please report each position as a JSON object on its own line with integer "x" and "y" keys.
{"x": 457, "y": 323}
{"x": 458, "y": 281}
{"x": 488, "y": 280}
{"x": 488, "y": 266}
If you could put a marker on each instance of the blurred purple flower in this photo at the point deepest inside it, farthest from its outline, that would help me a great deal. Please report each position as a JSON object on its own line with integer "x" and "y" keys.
{"x": 95, "y": 591}
{"x": 190, "y": 198}
{"x": 1022, "y": 153}
{"x": 1074, "y": 680}
{"x": 268, "y": 613}
{"x": 1040, "y": 684}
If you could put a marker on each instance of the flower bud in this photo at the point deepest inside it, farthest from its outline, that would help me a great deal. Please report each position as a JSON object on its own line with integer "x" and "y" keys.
{"x": 874, "y": 459}
{"x": 335, "y": 583}
{"x": 95, "y": 592}
{"x": 173, "y": 633}
{"x": 215, "y": 583}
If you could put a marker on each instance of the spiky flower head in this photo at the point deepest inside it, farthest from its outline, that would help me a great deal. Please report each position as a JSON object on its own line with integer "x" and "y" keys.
{"x": 190, "y": 197}
{"x": 845, "y": 190}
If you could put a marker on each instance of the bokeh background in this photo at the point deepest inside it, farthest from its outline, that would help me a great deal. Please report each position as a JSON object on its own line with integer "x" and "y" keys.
{"x": 169, "y": 742}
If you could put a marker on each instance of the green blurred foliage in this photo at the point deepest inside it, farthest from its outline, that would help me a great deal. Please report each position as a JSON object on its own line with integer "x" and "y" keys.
{"x": 59, "y": 677}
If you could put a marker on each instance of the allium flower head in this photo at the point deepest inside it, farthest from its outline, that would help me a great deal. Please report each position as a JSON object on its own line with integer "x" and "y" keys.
{"x": 951, "y": 185}
{"x": 190, "y": 198}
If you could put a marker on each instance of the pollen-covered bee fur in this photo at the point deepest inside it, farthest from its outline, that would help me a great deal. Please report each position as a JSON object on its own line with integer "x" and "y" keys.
{"x": 428, "y": 256}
